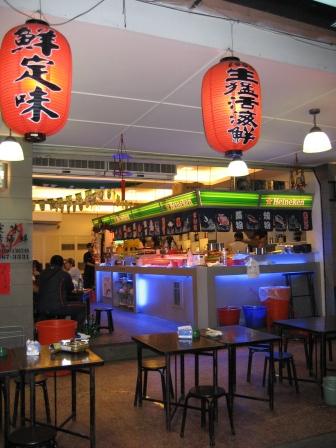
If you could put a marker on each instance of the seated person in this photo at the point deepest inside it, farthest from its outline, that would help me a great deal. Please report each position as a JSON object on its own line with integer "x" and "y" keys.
{"x": 54, "y": 290}
{"x": 238, "y": 245}
{"x": 69, "y": 266}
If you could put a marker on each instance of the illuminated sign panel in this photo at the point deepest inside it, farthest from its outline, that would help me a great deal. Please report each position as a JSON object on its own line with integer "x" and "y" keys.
{"x": 286, "y": 201}
{"x": 228, "y": 199}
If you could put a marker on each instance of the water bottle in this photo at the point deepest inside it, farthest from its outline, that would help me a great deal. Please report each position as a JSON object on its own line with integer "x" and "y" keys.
{"x": 223, "y": 257}
{"x": 80, "y": 284}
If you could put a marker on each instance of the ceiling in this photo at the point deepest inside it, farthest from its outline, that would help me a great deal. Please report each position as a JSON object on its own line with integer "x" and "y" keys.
{"x": 138, "y": 70}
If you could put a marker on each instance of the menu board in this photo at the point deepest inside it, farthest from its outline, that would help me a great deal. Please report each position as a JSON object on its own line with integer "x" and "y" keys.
{"x": 217, "y": 220}
{"x": 212, "y": 220}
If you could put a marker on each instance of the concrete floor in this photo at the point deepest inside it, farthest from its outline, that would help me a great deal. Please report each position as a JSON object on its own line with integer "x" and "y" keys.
{"x": 295, "y": 420}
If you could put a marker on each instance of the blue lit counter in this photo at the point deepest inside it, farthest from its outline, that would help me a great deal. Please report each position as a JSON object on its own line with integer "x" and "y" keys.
{"x": 165, "y": 292}
{"x": 191, "y": 295}
{"x": 232, "y": 286}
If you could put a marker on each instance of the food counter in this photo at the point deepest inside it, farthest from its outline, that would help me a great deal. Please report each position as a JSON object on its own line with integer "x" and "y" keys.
{"x": 192, "y": 294}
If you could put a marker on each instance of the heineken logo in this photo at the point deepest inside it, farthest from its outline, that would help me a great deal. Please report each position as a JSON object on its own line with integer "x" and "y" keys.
{"x": 285, "y": 202}
{"x": 183, "y": 203}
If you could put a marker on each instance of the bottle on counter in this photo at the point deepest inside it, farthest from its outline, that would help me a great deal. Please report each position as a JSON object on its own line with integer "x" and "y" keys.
{"x": 223, "y": 257}
{"x": 190, "y": 258}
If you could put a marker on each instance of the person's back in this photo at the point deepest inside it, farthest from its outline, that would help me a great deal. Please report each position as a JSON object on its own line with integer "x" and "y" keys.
{"x": 54, "y": 289}
{"x": 55, "y": 294}
{"x": 238, "y": 246}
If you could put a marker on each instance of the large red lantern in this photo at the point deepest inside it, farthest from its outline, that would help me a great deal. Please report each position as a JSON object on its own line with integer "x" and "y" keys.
{"x": 231, "y": 106}
{"x": 35, "y": 80}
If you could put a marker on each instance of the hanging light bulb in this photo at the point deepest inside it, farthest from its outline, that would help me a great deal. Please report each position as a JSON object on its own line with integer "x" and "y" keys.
{"x": 316, "y": 140}
{"x": 237, "y": 167}
{"x": 11, "y": 150}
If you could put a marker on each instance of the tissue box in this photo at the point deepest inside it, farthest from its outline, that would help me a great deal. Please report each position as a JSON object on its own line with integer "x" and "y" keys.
{"x": 185, "y": 332}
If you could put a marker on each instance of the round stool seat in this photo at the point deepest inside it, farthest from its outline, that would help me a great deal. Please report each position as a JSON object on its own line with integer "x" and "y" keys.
{"x": 32, "y": 436}
{"x": 210, "y": 392}
{"x": 104, "y": 308}
{"x": 278, "y": 356}
{"x": 154, "y": 364}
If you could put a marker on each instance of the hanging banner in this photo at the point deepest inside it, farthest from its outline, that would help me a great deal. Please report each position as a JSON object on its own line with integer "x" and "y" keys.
{"x": 5, "y": 278}
{"x": 15, "y": 241}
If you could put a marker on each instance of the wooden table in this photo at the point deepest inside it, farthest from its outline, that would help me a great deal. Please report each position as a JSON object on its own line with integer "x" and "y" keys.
{"x": 168, "y": 344}
{"x": 319, "y": 327}
{"x": 85, "y": 362}
{"x": 8, "y": 368}
{"x": 238, "y": 336}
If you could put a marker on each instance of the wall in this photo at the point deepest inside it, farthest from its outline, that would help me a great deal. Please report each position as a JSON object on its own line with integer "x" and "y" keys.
{"x": 68, "y": 228}
{"x": 16, "y": 309}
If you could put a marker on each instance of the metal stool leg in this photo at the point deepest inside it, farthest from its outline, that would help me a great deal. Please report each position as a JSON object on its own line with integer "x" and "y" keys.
{"x": 249, "y": 365}
{"x": 110, "y": 321}
{"x": 144, "y": 390}
{"x": 46, "y": 400}
{"x": 295, "y": 376}
{"x": 16, "y": 404}
{"x": 184, "y": 417}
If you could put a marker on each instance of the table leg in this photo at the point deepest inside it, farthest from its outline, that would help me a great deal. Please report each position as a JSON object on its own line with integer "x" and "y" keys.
{"x": 182, "y": 387}
{"x": 92, "y": 409}
{"x": 271, "y": 377}
{"x": 73, "y": 395}
{"x": 7, "y": 409}
{"x": 138, "y": 389}
{"x": 168, "y": 393}
{"x": 32, "y": 398}
{"x": 196, "y": 369}
{"x": 323, "y": 357}
{"x": 215, "y": 368}
{"x": 23, "y": 399}
{"x": 232, "y": 373}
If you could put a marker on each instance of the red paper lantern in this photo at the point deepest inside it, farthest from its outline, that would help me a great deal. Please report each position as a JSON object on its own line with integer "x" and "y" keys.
{"x": 35, "y": 81}
{"x": 231, "y": 106}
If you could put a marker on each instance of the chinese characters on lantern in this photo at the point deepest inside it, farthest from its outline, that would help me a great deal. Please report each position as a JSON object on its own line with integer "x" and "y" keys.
{"x": 242, "y": 100}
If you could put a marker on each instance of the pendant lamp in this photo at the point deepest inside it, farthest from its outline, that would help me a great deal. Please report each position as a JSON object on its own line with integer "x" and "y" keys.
{"x": 11, "y": 150}
{"x": 237, "y": 167}
{"x": 316, "y": 140}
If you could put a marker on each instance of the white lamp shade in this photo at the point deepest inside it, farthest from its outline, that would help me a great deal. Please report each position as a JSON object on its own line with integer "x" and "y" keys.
{"x": 237, "y": 168}
{"x": 11, "y": 150}
{"x": 316, "y": 141}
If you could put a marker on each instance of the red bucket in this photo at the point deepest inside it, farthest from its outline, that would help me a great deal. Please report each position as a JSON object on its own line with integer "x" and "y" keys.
{"x": 54, "y": 330}
{"x": 229, "y": 315}
{"x": 277, "y": 309}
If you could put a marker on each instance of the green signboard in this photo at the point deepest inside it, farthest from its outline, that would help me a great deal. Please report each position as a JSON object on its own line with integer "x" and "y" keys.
{"x": 228, "y": 199}
{"x": 208, "y": 198}
{"x": 298, "y": 201}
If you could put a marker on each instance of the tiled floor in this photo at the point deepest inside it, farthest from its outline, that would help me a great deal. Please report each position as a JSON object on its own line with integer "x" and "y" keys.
{"x": 121, "y": 425}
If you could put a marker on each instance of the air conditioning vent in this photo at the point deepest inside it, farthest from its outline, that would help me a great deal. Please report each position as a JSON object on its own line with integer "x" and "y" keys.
{"x": 96, "y": 164}
{"x": 152, "y": 167}
{"x": 133, "y": 168}
{"x": 78, "y": 163}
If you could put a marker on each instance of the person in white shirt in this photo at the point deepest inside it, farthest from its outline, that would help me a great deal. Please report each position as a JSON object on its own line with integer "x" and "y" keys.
{"x": 69, "y": 266}
{"x": 238, "y": 245}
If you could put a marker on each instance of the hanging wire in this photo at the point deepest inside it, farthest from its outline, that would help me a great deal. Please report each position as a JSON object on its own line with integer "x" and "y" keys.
{"x": 55, "y": 24}
{"x": 124, "y": 13}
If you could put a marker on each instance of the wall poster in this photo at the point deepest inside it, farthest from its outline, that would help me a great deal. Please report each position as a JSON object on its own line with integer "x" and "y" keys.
{"x": 15, "y": 241}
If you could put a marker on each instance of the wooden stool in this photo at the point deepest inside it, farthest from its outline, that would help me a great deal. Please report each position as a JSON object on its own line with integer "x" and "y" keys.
{"x": 39, "y": 380}
{"x": 153, "y": 365}
{"x": 208, "y": 396}
{"x": 108, "y": 311}
{"x": 33, "y": 437}
{"x": 260, "y": 348}
{"x": 284, "y": 359}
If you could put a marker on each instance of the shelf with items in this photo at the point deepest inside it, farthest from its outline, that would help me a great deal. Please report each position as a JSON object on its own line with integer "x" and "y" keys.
{"x": 124, "y": 291}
